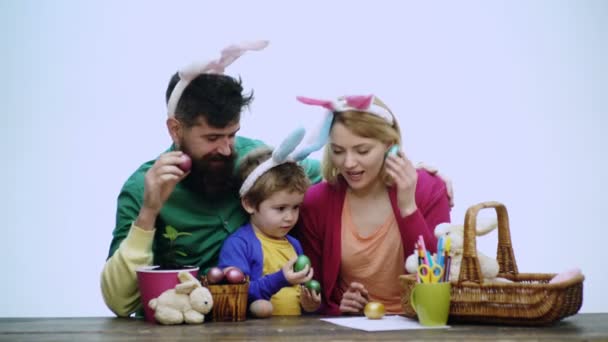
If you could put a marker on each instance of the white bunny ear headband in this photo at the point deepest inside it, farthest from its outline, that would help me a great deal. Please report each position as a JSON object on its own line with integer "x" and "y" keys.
{"x": 216, "y": 66}
{"x": 288, "y": 151}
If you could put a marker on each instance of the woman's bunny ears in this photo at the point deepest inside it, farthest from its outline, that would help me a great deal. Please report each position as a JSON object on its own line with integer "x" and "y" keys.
{"x": 287, "y": 152}
{"x": 359, "y": 103}
{"x": 216, "y": 66}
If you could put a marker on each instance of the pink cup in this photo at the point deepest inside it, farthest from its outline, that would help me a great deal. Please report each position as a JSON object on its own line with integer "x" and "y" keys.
{"x": 153, "y": 282}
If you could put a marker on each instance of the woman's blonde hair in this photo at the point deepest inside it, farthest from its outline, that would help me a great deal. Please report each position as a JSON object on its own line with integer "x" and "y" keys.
{"x": 364, "y": 125}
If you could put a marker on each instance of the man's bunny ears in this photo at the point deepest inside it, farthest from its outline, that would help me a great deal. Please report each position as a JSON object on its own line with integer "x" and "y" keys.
{"x": 287, "y": 152}
{"x": 359, "y": 103}
{"x": 216, "y": 66}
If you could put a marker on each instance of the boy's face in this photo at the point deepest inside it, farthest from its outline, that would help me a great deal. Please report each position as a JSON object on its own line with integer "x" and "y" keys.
{"x": 277, "y": 214}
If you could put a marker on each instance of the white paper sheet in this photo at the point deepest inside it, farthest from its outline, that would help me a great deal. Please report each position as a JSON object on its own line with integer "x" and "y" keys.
{"x": 394, "y": 322}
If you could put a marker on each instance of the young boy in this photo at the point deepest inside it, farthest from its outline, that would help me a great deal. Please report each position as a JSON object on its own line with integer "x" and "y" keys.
{"x": 262, "y": 249}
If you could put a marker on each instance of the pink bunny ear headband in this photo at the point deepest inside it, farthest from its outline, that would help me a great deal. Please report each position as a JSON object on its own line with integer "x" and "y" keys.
{"x": 216, "y": 66}
{"x": 360, "y": 103}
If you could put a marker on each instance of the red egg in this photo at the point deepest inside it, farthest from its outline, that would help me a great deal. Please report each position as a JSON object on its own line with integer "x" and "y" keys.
{"x": 234, "y": 275}
{"x": 186, "y": 163}
{"x": 215, "y": 275}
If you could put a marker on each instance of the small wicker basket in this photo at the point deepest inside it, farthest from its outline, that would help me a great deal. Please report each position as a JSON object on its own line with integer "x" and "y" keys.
{"x": 528, "y": 300}
{"x": 229, "y": 301}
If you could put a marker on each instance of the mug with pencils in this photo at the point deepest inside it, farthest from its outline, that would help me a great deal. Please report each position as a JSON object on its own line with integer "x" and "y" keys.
{"x": 436, "y": 270}
{"x": 430, "y": 297}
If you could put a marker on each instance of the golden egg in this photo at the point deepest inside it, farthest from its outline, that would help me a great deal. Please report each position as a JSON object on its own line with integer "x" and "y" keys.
{"x": 374, "y": 310}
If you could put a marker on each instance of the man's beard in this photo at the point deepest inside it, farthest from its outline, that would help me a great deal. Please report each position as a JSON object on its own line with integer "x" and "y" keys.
{"x": 212, "y": 175}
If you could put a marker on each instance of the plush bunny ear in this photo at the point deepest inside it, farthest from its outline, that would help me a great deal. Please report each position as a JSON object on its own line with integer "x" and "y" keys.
{"x": 443, "y": 228}
{"x": 288, "y": 145}
{"x": 185, "y": 276}
{"x": 317, "y": 142}
{"x": 316, "y": 102}
{"x": 362, "y": 102}
{"x": 216, "y": 66}
{"x": 232, "y": 52}
{"x": 486, "y": 226}
{"x": 187, "y": 282}
{"x": 280, "y": 155}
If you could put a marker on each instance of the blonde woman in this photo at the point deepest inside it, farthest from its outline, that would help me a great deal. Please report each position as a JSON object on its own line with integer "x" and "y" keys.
{"x": 359, "y": 224}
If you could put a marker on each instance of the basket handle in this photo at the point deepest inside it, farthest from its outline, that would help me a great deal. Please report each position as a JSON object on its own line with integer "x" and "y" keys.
{"x": 469, "y": 267}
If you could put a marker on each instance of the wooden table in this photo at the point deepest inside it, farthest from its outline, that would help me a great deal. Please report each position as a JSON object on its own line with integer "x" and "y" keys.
{"x": 581, "y": 327}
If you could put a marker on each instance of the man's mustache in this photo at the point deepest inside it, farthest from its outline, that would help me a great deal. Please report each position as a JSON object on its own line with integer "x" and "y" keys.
{"x": 219, "y": 157}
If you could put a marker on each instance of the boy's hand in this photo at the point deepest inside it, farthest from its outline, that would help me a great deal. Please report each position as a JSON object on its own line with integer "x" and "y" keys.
{"x": 295, "y": 278}
{"x": 310, "y": 300}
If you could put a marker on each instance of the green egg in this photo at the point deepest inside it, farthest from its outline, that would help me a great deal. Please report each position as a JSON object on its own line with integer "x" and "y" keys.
{"x": 301, "y": 262}
{"x": 313, "y": 285}
{"x": 393, "y": 150}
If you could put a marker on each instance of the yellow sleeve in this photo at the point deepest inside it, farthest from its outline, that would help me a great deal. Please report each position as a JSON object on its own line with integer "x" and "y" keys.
{"x": 118, "y": 278}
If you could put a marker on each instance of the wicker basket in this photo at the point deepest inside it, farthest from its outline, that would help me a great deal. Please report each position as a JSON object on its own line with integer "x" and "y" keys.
{"x": 229, "y": 301}
{"x": 528, "y": 300}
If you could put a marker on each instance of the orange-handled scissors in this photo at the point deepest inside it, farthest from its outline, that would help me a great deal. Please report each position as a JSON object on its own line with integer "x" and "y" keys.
{"x": 430, "y": 274}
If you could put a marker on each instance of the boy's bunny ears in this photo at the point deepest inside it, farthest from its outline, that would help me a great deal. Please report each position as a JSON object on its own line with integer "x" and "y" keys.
{"x": 359, "y": 103}
{"x": 216, "y": 66}
{"x": 287, "y": 152}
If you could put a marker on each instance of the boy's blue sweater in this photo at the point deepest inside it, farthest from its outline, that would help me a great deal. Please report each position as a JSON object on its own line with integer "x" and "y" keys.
{"x": 244, "y": 250}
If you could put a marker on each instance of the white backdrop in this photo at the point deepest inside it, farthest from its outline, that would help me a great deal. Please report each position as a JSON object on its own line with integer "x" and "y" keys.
{"x": 508, "y": 98}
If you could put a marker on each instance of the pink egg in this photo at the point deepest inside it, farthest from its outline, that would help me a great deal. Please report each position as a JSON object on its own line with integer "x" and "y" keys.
{"x": 234, "y": 276}
{"x": 215, "y": 275}
{"x": 261, "y": 308}
{"x": 186, "y": 163}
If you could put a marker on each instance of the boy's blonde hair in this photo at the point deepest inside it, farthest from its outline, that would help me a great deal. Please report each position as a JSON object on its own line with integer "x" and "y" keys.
{"x": 287, "y": 176}
{"x": 365, "y": 125}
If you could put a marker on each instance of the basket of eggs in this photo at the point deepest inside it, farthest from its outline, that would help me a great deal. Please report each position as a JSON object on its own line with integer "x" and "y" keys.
{"x": 228, "y": 287}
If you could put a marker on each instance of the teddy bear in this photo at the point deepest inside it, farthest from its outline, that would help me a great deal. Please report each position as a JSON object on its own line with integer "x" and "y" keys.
{"x": 188, "y": 302}
{"x": 489, "y": 266}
